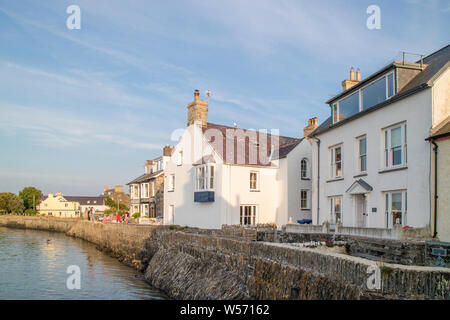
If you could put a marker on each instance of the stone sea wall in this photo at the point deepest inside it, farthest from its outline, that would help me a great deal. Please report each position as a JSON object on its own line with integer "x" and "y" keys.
{"x": 189, "y": 263}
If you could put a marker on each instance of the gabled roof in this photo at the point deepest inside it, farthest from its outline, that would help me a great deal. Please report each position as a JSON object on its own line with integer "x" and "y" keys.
{"x": 263, "y": 143}
{"x": 362, "y": 184}
{"x": 145, "y": 177}
{"x": 436, "y": 62}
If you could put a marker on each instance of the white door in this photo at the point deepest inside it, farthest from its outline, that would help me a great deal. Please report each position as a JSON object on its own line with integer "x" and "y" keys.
{"x": 361, "y": 212}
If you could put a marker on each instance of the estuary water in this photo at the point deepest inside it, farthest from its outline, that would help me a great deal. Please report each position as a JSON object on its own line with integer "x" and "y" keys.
{"x": 34, "y": 265}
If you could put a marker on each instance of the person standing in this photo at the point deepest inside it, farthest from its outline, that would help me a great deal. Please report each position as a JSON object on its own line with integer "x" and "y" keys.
{"x": 118, "y": 218}
{"x": 93, "y": 214}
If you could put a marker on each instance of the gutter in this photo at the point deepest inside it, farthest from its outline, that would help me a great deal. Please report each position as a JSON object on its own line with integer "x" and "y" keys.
{"x": 435, "y": 149}
{"x": 318, "y": 177}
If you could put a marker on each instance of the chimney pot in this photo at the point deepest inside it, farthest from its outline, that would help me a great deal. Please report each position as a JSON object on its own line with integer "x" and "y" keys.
{"x": 358, "y": 75}
{"x": 352, "y": 74}
{"x": 196, "y": 94}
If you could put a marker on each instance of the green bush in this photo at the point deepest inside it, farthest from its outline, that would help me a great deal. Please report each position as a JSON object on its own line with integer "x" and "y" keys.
{"x": 30, "y": 212}
{"x": 136, "y": 215}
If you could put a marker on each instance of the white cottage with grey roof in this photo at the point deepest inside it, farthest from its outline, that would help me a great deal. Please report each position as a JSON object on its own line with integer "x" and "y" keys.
{"x": 226, "y": 175}
{"x": 371, "y": 163}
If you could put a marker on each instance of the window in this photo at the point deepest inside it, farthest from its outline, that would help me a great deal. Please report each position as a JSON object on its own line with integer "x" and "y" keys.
{"x": 136, "y": 191}
{"x": 304, "y": 169}
{"x": 180, "y": 158}
{"x": 395, "y": 146}
{"x": 372, "y": 94}
{"x": 204, "y": 179}
{"x": 304, "y": 199}
{"x": 144, "y": 190}
{"x": 362, "y": 154}
{"x": 336, "y": 209}
{"x": 349, "y": 106}
{"x": 336, "y": 162}
{"x": 254, "y": 180}
{"x": 144, "y": 211}
{"x": 396, "y": 208}
{"x": 248, "y": 215}
{"x": 172, "y": 182}
{"x": 153, "y": 188}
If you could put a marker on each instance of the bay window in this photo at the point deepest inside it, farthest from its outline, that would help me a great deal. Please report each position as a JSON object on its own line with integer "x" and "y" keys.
{"x": 204, "y": 177}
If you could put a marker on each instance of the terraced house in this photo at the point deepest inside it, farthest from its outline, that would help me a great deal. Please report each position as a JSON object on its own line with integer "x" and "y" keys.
{"x": 226, "y": 175}
{"x": 147, "y": 190}
{"x": 371, "y": 160}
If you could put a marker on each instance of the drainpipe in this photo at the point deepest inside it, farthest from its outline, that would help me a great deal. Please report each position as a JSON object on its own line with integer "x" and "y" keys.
{"x": 318, "y": 178}
{"x": 435, "y": 149}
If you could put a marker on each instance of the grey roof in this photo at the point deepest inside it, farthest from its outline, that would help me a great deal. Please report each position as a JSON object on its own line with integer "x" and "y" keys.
{"x": 362, "y": 183}
{"x": 145, "y": 177}
{"x": 441, "y": 129}
{"x": 83, "y": 200}
{"x": 437, "y": 63}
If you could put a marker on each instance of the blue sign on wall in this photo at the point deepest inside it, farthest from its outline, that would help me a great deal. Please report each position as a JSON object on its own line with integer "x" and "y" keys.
{"x": 204, "y": 196}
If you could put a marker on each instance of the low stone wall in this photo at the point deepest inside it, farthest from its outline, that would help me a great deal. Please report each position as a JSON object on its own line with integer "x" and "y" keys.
{"x": 124, "y": 242}
{"x": 306, "y": 228}
{"x": 38, "y": 223}
{"x": 219, "y": 268}
{"x": 190, "y": 263}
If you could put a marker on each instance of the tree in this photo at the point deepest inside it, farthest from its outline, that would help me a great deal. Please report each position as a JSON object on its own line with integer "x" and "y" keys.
{"x": 27, "y": 195}
{"x": 11, "y": 203}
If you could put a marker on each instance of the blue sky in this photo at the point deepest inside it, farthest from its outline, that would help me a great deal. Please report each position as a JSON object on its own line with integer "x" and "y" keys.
{"x": 80, "y": 109}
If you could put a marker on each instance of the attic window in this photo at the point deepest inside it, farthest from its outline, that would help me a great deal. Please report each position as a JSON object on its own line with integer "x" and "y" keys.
{"x": 368, "y": 96}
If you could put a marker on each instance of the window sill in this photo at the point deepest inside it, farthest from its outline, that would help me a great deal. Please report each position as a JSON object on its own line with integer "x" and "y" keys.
{"x": 335, "y": 179}
{"x": 171, "y": 190}
{"x": 393, "y": 169}
{"x": 362, "y": 174}
{"x": 254, "y": 190}
{"x": 305, "y": 209}
{"x": 306, "y": 179}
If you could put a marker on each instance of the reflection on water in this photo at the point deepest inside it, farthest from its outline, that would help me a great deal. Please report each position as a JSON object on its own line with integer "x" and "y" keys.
{"x": 34, "y": 264}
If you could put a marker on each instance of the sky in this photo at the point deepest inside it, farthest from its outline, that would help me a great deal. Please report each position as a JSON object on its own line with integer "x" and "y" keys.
{"x": 84, "y": 108}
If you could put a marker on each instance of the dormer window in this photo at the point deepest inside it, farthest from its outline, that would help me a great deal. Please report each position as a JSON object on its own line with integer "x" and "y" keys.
{"x": 366, "y": 97}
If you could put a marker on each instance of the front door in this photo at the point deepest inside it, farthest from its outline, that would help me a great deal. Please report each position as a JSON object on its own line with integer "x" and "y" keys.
{"x": 361, "y": 212}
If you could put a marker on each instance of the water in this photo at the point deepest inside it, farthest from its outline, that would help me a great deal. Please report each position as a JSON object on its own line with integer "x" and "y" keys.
{"x": 33, "y": 265}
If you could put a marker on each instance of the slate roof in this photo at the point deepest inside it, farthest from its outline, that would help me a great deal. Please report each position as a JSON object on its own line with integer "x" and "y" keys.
{"x": 437, "y": 63}
{"x": 145, "y": 177}
{"x": 261, "y": 144}
{"x": 83, "y": 200}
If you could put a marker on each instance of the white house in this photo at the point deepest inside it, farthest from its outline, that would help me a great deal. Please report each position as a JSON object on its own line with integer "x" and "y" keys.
{"x": 225, "y": 175}
{"x": 371, "y": 163}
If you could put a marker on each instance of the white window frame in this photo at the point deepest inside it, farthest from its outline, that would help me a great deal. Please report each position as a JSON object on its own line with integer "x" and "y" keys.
{"x": 359, "y": 91}
{"x": 180, "y": 158}
{"x": 145, "y": 190}
{"x": 387, "y": 151}
{"x": 208, "y": 179}
{"x": 389, "y": 219}
{"x": 304, "y": 200}
{"x": 253, "y": 216}
{"x": 359, "y": 155}
{"x": 171, "y": 186}
{"x": 333, "y": 219}
{"x": 333, "y": 162}
{"x": 256, "y": 174}
{"x": 145, "y": 210}
{"x": 305, "y": 170}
